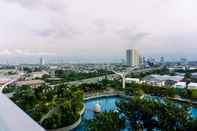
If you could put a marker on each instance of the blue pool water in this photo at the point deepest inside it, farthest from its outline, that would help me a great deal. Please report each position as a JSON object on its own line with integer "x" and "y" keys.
{"x": 194, "y": 112}
{"x": 107, "y": 104}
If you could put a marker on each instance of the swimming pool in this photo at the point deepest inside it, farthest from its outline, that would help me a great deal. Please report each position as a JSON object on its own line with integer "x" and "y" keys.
{"x": 107, "y": 103}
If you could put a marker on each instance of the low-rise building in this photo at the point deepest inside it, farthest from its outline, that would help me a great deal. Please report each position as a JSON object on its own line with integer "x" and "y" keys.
{"x": 182, "y": 85}
{"x": 4, "y": 80}
{"x": 38, "y": 74}
{"x": 132, "y": 80}
{"x": 173, "y": 68}
{"x": 161, "y": 80}
{"x": 32, "y": 83}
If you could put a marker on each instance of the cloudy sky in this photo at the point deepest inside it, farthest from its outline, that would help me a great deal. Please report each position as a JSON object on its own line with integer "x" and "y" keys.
{"x": 97, "y": 30}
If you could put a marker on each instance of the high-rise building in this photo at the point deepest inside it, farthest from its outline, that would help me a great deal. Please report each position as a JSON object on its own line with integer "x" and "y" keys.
{"x": 132, "y": 57}
{"x": 183, "y": 61}
{"x": 144, "y": 60}
{"x": 141, "y": 62}
{"x": 123, "y": 61}
{"x": 42, "y": 62}
{"x": 162, "y": 60}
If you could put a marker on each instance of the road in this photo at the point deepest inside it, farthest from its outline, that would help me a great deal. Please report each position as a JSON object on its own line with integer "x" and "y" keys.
{"x": 96, "y": 79}
{"x": 6, "y": 84}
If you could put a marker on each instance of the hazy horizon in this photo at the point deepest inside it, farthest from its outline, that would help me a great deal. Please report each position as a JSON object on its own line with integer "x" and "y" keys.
{"x": 96, "y": 30}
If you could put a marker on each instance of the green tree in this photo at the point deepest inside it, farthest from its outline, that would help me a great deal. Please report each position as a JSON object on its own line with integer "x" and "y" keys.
{"x": 155, "y": 114}
{"x": 53, "y": 122}
{"x": 25, "y": 98}
{"x": 173, "y": 117}
{"x": 69, "y": 115}
{"x": 188, "y": 78}
{"x": 140, "y": 113}
{"x": 194, "y": 125}
{"x": 106, "y": 121}
{"x": 188, "y": 75}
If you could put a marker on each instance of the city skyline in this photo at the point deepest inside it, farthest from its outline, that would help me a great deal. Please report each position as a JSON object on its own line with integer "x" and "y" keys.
{"x": 89, "y": 31}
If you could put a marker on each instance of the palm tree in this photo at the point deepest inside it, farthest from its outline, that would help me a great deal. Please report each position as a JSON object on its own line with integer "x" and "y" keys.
{"x": 188, "y": 81}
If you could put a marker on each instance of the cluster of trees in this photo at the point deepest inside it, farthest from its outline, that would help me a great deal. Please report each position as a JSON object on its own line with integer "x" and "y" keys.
{"x": 67, "y": 113}
{"x": 185, "y": 71}
{"x": 138, "y": 89}
{"x": 158, "y": 114}
{"x": 32, "y": 69}
{"x": 100, "y": 86}
{"x": 161, "y": 91}
{"x": 25, "y": 98}
{"x": 69, "y": 75}
{"x": 52, "y": 81}
{"x": 117, "y": 85}
{"x": 92, "y": 87}
{"x": 7, "y": 67}
{"x": 141, "y": 114}
{"x": 106, "y": 121}
{"x": 61, "y": 104}
{"x": 149, "y": 89}
{"x": 189, "y": 78}
{"x": 162, "y": 71}
{"x": 9, "y": 89}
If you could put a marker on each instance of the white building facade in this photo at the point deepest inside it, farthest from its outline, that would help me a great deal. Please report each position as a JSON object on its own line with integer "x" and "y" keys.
{"x": 132, "y": 57}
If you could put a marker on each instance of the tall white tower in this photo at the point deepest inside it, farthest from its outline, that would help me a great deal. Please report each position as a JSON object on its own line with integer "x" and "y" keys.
{"x": 132, "y": 57}
{"x": 42, "y": 62}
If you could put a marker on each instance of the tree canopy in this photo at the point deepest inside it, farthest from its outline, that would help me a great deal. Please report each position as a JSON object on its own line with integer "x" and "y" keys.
{"x": 162, "y": 115}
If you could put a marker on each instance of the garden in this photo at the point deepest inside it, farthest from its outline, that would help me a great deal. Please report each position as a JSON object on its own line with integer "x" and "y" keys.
{"x": 51, "y": 107}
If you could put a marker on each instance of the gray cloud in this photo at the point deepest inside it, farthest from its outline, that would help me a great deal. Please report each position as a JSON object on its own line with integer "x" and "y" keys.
{"x": 98, "y": 28}
{"x": 19, "y": 52}
{"x": 101, "y": 25}
{"x": 126, "y": 33}
{"x": 43, "y": 33}
{"x": 53, "y": 5}
{"x": 132, "y": 34}
{"x": 57, "y": 32}
{"x": 68, "y": 32}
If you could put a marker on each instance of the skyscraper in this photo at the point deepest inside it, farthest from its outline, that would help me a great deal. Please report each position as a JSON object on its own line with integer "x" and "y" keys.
{"x": 141, "y": 60}
{"x": 132, "y": 57}
{"x": 42, "y": 62}
{"x": 162, "y": 59}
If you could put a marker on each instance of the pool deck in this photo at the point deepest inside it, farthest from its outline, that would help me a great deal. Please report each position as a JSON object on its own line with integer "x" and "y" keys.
{"x": 122, "y": 94}
{"x": 103, "y": 94}
{"x": 184, "y": 100}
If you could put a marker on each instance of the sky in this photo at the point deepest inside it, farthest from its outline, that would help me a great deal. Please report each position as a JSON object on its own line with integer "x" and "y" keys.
{"x": 97, "y": 30}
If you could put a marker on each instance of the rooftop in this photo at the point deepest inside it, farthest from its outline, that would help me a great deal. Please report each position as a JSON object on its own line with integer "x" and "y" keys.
{"x": 163, "y": 78}
{"x": 29, "y": 82}
{"x": 183, "y": 85}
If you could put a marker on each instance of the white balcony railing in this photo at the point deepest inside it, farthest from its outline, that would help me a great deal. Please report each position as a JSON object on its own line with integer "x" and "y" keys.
{"x": 12, "y": 118}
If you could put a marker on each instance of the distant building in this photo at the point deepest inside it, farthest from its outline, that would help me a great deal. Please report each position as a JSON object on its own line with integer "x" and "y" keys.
{"x": 42, "y": 62}
{"x": 182, "y": 85}
{"x": 162, "y": 60}
{"x": 132, "y": 80}
{"x": 123, "y": 61}
{"x": 141, "y": 61}
{"x": 40, "y": 74}
{"x": 144, "y": 59}
{"x": 32, "y": 83}
{"x": 183, "y": 61}
{"x": 4, "y": 80}
{"x": 174, "y": 68}
{"x": 132, "y": 57}
{"x": 161, "y": 80}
